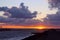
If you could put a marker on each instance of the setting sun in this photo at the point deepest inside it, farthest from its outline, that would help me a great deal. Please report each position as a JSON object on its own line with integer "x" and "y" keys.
{"x": 41, "y": 27}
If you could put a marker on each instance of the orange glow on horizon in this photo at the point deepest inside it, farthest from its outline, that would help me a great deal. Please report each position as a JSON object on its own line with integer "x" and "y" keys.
{"x": 41, "y": 27}
{"x": 28, "y": 27}
{"x": 22, "y": 27}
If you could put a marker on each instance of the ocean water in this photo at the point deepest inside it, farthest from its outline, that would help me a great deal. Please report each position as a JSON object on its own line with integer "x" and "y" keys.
{"x": 15, "y": 34}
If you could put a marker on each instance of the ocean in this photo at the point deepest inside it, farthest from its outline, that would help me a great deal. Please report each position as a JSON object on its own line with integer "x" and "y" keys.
{"x": 15, "y": 34}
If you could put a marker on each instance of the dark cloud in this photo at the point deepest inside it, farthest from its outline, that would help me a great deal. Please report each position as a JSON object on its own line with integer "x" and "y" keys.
{"x": 17, "y": 21}
{"x": 54, "y": 3}
{"x": 19, "y": 16}
{"x": 4, "y": 8}
{"x": 53, "y": 19}
{"x": 21, "y": 12}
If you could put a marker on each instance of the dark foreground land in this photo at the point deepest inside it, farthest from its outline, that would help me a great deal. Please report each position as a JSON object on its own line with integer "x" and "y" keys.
{"x": 51, "y": 34}
{"x": 25, "y": 34}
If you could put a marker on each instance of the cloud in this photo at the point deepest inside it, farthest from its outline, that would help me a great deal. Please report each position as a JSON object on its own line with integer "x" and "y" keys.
{"x": 4, "y": 8}
{"x": 54, "y": 3}
{"x": 17, "y": 21}
{"x": 19, "y": 16}
{"x": 21, "y": 12}
{"x": 53, "y": 19}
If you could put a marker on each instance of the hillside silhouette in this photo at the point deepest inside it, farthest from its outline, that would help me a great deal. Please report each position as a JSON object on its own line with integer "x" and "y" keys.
{"x": 51, "y": 34}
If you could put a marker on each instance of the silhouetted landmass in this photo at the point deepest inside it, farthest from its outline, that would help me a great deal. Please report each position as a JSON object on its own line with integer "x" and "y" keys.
{"x": 10, "y": 29}
{"x": 51, "y": 34}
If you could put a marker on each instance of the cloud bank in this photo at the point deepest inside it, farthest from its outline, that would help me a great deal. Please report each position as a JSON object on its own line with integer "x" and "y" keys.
{"x": 54, "y": 3}
{"x": 21, "y": 12}
{"x": 19, "y": 16}
{"x": 53, "y": 19}
{"x": 22, "y": 15}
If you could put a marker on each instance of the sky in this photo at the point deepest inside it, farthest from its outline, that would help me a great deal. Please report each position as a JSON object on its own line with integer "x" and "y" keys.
{"x": 41, "y": 6}
{"x": 34, "y": 5}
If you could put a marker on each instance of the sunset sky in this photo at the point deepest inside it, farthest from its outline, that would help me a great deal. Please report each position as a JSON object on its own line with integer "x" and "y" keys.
{"x": 41, "y": 6}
